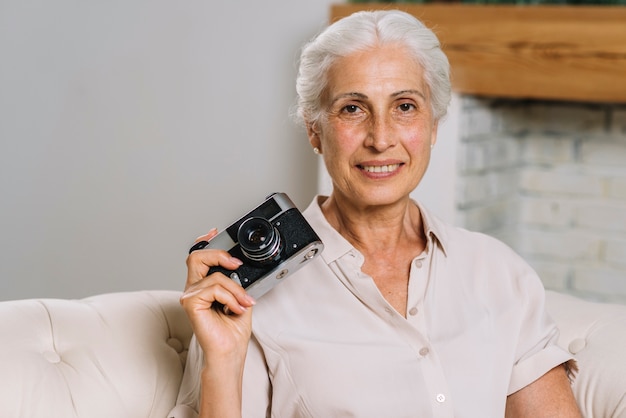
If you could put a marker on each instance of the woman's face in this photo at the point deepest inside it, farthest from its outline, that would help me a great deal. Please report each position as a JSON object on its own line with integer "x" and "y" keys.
{"x": 378, "y": 130}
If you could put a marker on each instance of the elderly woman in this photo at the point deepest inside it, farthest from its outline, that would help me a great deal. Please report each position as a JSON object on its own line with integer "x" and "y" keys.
{"x": 402, "y": 315}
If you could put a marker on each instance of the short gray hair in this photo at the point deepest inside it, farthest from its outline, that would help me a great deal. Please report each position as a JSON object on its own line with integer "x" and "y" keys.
{"x": 358, "y": 32}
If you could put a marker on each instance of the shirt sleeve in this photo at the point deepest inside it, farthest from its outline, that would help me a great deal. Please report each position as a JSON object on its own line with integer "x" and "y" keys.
{"x": 182, "y": 411}
{"x": 537, "y": 349}
{"x": 256, "y": 384}
{"x": 187, "y": 403}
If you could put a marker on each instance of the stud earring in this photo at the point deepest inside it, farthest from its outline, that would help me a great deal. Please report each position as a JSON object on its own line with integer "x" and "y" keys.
{"x": 316, "y": 150}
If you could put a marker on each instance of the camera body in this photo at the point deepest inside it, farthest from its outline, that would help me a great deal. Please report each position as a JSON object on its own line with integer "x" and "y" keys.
{"x": 273, "y": 240}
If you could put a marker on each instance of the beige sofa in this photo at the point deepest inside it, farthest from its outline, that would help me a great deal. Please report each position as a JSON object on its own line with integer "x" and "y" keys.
{"x": 122, "y": 355}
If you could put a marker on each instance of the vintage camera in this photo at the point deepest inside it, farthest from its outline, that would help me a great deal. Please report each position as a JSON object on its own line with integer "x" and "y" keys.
{"x": 273, "y": 240}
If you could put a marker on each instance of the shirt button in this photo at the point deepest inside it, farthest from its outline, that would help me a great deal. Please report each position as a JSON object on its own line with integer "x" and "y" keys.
{"x": 441, "y": 398}
{"x": 424, "y": 352}
{"x": 418, "y": 263}
{"x": 413, "y": 311}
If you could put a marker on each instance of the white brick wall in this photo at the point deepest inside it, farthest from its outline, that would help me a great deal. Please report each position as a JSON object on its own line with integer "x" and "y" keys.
{"x": 618, "y": 121}
{"x": 617, "y": 188}
{"x": 548, "y": 149}
{"x": 567, "y": 181}
{"x": 549, "y": 179}
{"x": 546, "y": 211}
{"x": 563, "y": 245}
{"x": 599, "y": 282}
{"x": 608, "y": 218}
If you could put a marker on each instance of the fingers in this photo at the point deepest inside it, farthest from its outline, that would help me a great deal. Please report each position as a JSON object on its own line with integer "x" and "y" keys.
{"x": 203, "y": 241}
{"x": 199, "y": 262}
{"x": 217, "y": 288}
{"x": 224, "y": 331}
{"x": 207, "y": 236}
{"x": 202, "y": 291}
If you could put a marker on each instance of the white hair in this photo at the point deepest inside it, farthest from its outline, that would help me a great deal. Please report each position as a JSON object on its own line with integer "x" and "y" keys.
{"x": 361, "y": 31}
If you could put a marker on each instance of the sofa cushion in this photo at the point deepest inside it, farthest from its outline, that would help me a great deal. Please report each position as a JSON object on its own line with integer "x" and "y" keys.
{"x": 114, "y": 355}
{"x": 595, "y": 333}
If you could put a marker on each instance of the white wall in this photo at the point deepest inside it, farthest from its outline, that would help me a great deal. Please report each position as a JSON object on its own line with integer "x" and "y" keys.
{"x": 129, "y": 128}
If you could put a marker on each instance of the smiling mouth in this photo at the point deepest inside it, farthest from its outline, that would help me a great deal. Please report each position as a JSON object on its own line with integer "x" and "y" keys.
{"x": 380, "y": 168}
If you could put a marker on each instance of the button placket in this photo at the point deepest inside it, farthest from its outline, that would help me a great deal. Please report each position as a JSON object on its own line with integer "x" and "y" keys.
{"x": 417, "y": 286}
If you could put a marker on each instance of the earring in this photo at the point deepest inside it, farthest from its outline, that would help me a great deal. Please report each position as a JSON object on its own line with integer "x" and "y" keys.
{"x": 432, "y": 146}
{"x": 317, "y": 151}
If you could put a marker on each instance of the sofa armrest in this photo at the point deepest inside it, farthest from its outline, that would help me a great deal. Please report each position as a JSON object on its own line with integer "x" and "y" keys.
{"x": 595, "y": 333}
{"x": 113, "y": 355}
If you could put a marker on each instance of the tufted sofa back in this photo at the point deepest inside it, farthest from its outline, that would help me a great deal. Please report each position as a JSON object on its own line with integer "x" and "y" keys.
{"x": 114, "y": 355}
{"x": 122, "y": 355}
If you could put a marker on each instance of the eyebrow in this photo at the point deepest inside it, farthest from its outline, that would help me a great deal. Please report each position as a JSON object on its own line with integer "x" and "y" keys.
{"x": 410, "y": 91}
{"x": 352, "y": 95}
{"x": 356, "y": 95}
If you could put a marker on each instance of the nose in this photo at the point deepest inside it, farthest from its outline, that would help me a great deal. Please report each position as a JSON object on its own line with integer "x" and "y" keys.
{"x": 380, "y": 135}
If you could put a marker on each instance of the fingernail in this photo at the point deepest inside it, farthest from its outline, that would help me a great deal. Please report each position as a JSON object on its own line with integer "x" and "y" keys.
{"x": 251, "y": 300}
{"x": 236, "y": 261}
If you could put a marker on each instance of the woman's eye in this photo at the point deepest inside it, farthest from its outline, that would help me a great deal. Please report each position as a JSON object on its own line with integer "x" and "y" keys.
{"x": 351, "y": 109}
{"x": 405, "y": 107}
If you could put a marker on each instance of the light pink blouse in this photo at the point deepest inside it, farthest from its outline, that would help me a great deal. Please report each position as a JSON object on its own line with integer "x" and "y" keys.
{"x": 327, "y": 344}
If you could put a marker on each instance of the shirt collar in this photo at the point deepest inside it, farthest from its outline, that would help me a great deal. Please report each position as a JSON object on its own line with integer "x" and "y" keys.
{"x": 336, "y": 246}
{"x": 435, "y": 228}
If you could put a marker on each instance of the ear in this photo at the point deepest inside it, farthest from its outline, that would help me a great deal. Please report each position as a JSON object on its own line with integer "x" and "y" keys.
{"x": 313, "y": 133}
{"x": 433, "y": 134}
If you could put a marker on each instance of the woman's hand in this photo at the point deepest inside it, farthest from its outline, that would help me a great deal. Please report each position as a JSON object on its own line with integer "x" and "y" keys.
{"x": 220, "y": 312}
{"x": 221, "y": 332}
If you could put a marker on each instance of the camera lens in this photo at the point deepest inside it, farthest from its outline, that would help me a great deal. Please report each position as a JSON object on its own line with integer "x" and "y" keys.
{"x": 259, "y": 240}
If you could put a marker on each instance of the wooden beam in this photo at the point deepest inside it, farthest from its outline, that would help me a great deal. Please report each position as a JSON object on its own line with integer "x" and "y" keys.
{"x": 575, "y": 53}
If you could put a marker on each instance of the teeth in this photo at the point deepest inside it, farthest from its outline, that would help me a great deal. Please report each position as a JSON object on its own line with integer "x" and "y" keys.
{"x": 381, "y": 168}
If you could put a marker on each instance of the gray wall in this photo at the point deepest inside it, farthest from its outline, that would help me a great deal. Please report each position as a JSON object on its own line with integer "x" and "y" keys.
{"x": 129, "y": 128}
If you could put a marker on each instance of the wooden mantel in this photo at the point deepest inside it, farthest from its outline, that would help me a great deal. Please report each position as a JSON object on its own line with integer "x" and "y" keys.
{"x": 574, "y": 53}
